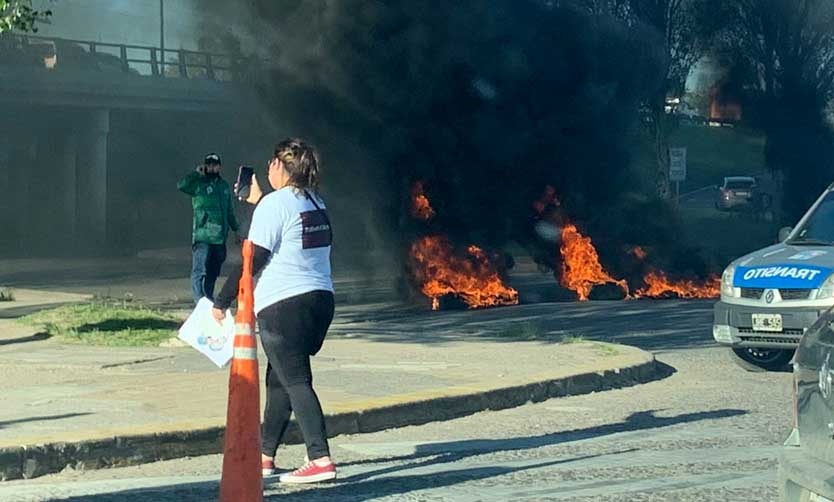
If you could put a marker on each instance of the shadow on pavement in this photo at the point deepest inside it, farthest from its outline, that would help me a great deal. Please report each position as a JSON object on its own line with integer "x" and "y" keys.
{"x": 356, "y": 491}
{"x": 37, "y": 337}
{"x": 457, "y": 450}
{"x": 185, "y": 492}
{"x": 390, "y": 481}
{"x": 24, "y": 310}
{"x": 130, "y": 324}
{"x": 42, "y": 419}
{"x": 653, "y": 325}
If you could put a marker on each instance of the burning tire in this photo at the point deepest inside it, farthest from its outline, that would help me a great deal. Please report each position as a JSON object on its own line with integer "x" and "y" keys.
{"x": 759, "y": 359}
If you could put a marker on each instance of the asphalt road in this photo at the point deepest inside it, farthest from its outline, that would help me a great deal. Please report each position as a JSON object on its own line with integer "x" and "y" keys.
{"x": 708, "y": 432}
{"x": 703, "y": 198}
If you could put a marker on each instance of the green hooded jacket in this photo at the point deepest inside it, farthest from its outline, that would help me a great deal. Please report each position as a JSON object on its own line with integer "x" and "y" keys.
{"x": 214, "y": 213}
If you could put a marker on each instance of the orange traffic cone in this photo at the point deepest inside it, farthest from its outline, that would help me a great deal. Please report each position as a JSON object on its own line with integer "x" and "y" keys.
{"x": 242, "y": 480}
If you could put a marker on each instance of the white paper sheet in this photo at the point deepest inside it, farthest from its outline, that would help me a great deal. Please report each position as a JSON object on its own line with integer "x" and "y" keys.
{"x": 205, "y": 334}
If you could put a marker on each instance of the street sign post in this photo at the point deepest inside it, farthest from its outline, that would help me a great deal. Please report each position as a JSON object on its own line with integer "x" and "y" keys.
{"x": 677, "y": 168}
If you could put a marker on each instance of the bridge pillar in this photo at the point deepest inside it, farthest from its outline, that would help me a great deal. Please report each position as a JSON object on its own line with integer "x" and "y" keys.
{"x": 7, "y": 208}
{"x": 91, "y": 170}
{"x": 25, "y": 193}
{"x": 68, "y": 179}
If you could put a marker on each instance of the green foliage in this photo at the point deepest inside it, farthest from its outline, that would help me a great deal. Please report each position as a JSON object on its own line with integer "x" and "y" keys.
{"x": 606, "y": 349}
{"x": 723, "y": 237}
{"x": 20, "y": 15}
{"x": 6, "y": 295}
{"x": 108, "y": 323}
{"x": 782, "y": 53}
{"x": 572, "y": 339}
{"x": 524, "y": 331}
{"x": 682, "y": 31}
{"x": 712, "y": 153}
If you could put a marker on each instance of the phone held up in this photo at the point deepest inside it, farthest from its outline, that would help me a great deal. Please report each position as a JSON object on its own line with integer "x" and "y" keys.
{"x": 244, "y": 182}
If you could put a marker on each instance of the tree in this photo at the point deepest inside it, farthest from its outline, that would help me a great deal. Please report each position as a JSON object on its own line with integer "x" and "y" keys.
{"x": 684, "y": 29}
{"x": 20, "y": 15}
{"x": 789, "y": 42}
{"x": 787, "y": 49}
{"x": 682, "y": 33}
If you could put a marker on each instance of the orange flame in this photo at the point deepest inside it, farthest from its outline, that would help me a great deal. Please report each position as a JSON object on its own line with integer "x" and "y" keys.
{"x": 581, "y": 268}
{"x": 472, "y": 278}
{"x": 658, "y": 285}
{"x": 420, "y": 205}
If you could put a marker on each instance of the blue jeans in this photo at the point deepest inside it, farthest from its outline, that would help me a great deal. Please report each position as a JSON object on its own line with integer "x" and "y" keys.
{"x": 206, "y": 260}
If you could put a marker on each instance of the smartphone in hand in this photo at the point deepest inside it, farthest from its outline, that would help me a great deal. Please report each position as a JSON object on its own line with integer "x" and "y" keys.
{"x": 244, "y": 182}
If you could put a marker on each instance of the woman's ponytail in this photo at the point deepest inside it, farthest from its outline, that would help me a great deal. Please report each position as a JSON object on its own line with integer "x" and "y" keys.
{"x": 301, "y": 163}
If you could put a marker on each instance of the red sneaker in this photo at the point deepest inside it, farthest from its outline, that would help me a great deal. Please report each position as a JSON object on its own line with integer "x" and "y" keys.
{"x": 310, "y": 473}
{"x": 268, "y": 467}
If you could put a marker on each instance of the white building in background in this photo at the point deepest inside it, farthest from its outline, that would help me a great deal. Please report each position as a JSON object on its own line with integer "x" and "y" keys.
{"x": 134, "y": 22}
{"x": 704, "y": 75}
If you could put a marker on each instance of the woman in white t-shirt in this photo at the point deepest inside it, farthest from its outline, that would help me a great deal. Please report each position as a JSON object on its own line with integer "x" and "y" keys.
{"x": 293, "y": 302}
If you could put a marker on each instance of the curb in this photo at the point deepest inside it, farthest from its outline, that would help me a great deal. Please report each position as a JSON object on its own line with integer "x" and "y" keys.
{"x": 31, "y": 461}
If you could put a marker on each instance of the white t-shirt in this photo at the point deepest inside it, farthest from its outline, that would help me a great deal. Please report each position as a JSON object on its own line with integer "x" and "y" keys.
{"x": 298, "y": 233}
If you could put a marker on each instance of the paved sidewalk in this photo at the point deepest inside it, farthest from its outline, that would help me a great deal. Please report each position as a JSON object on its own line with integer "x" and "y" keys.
{"x": 159, "y": 278}
{"x": 382, "y": 366}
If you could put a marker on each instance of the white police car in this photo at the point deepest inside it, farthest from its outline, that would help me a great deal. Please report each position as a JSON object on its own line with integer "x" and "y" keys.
{"x": 769, "y": 298}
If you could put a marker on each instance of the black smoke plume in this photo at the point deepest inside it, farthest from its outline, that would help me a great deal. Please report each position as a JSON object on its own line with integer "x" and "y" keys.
{"x": 486, "y": 102}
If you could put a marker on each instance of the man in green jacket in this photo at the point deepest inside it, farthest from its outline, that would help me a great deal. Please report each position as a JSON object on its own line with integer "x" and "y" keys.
{"x": 214, "y": 216}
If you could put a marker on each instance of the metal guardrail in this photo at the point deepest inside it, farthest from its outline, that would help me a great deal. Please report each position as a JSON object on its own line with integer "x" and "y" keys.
{"x": 53, "y": 52}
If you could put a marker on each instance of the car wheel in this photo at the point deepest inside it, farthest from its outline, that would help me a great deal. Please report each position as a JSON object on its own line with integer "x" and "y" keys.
{"x": 759, "y": 359}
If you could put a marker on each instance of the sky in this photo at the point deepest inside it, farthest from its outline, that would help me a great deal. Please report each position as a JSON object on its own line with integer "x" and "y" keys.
{"x": 135, "y": 22}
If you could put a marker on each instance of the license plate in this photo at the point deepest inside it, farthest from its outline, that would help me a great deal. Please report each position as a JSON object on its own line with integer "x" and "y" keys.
{"x": 743, "y": 194}
{"x": 819, "y": 498}
{"x": 767, "y": 322}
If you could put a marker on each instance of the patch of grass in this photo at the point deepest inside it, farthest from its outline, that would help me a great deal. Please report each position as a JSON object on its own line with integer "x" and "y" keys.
{"x": 6, "y": 295}
{"x": 712, "y": 153}
{"x": 571, "y": 339}
{"x": 606, "y": 349}
{"x": 107, "y": 323}
{"x": 528, "y": 330}
{"x": 726, "y": 236}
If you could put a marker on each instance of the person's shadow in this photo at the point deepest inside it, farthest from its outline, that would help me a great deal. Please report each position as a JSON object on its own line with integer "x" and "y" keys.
{"x": 392, "y": 480}
{"x": 376, "y": 483}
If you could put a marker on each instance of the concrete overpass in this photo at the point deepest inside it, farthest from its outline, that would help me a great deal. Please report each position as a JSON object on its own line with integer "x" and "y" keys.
{"x": 76, "y": 87}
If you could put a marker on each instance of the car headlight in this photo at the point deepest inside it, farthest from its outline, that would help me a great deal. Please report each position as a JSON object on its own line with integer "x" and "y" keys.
{"x": 727, "y": 281}
{"x": 827, "y": 289}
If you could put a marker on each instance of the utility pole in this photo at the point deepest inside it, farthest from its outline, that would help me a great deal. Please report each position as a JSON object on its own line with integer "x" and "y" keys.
{"x": 162, "y": 31}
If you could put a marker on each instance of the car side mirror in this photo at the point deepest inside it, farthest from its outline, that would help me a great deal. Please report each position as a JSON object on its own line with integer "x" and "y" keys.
{"x": 784, "y": 232}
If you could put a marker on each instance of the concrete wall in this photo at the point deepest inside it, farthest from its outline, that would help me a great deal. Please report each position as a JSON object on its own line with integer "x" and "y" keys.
{"x": 93, "y": 181}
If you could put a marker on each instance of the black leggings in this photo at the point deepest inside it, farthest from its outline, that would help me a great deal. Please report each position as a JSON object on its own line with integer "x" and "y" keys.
{"x": 291, "y": 331}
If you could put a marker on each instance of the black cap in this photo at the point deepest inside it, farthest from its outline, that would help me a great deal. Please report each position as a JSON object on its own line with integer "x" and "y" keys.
{"x": 212, "y": 159}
